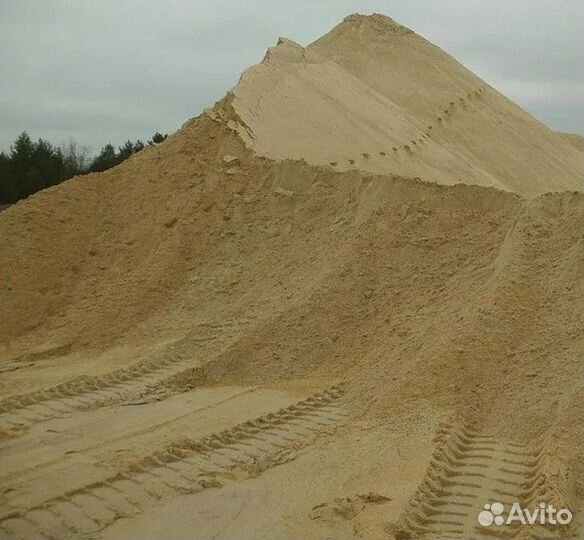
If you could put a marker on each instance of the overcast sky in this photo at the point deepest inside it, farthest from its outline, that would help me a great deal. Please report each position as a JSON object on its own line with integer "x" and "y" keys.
{"x": 100, "y": 71}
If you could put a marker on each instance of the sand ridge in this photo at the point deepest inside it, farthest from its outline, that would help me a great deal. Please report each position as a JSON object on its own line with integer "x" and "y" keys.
{"x": 374, "y": 95}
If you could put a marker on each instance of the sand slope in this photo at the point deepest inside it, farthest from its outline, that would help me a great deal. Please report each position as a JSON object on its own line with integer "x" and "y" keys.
{"x": 204, "y": 333}
{"x": 374, "y": 95}
{"x": 574, "y": 140}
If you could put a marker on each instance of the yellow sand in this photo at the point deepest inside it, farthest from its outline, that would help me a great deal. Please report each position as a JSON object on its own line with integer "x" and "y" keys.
{"x": 372, "y": 86}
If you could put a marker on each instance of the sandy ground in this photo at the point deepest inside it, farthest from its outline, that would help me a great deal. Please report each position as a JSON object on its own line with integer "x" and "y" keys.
{"x": 304, "y": 498}
{"x": 239, "y": 333}
{"x": 70, "y": 470}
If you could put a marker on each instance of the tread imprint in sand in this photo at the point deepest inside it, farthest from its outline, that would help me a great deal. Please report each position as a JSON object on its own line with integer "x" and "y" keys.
{"x": 85, "y": 392}
{"x": 188, "y": 466}
{"x": 468, "y": 470}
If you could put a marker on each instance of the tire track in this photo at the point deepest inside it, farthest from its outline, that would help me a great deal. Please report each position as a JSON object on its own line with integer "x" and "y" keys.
{"x": 185, "y": 467}
{"x": 467, "y": 471}
{"x": 87, "y": 392}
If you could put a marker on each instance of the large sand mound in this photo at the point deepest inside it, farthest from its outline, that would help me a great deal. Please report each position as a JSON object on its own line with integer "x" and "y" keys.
{"x": 374, "y": 95}
{"x": 203, "y": 264}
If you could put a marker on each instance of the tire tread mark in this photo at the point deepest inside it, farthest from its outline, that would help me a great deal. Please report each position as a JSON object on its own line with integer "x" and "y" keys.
{"x": 187, "y": 466}
{"x": 447, "y": 501}
{"x": 85, "y": 391}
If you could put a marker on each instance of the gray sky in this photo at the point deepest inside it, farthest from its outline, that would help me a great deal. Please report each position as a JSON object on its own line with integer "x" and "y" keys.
{"x": 105, "y": 70}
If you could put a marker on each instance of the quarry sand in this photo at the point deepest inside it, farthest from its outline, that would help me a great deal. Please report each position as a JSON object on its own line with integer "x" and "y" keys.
{"x": 345, "y": 302}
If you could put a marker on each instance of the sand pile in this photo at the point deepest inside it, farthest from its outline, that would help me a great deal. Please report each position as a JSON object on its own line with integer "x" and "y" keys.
{"x": 574, "y": 140}
{"x": 371, "y": 94}
{"x": 404, "y": 276}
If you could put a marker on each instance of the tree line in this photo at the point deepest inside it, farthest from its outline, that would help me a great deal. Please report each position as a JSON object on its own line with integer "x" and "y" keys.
{"x": 30, "y": 166}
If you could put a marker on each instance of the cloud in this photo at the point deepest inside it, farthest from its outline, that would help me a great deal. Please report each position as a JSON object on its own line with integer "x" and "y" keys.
{"x": 108, "y": 71}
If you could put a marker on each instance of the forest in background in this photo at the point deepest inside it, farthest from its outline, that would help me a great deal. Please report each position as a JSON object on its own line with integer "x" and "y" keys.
{"x": 30, "y": 166}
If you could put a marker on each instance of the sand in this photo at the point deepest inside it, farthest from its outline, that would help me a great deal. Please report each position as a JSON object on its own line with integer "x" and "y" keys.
{"x": 407, "y": 108}
{"x": 229, "y": 336}
{"x": 574, "y": 139}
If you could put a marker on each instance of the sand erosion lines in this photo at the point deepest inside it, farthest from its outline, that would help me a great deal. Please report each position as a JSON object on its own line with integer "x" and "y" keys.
{"x": 188, "y": 466}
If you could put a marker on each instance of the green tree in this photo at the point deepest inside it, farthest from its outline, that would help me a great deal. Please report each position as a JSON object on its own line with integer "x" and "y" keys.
{"x": 8, "y": 188}
{"x": 125, "y": 151}
{"x": 21, "y": 152}
{"x": 157, "y": 138}
{"x": 30, "y": 167}
{"x": 27, "y": 177}
{"x": 106, "y": 159}
{"x": 47, "y": 163}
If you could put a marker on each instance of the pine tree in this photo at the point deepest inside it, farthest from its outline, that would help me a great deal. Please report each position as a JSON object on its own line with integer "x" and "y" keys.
{"x": 157, "y": 138}
{"x": 8, "y": 189}
{"x": 106, "y": 159}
